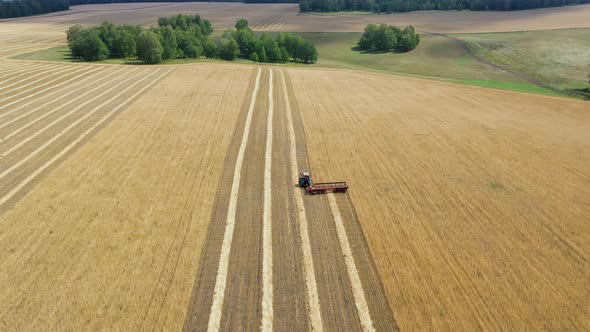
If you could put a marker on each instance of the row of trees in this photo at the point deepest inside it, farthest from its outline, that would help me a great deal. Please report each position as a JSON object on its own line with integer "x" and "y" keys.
{"x": 19, "y": 8}
{"x": 180, "y": 36}
{"x": 286, "y": 47}
{"x": 184, "y": 36}
{"x": 389, "y": 6}
{"x": 386, "y": 38}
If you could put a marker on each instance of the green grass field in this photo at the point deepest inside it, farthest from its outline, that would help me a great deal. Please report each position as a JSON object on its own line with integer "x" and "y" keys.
{"x": 436, "y": 57}
{"x": 59, "y": 53}
{"x": 557, "y": 58}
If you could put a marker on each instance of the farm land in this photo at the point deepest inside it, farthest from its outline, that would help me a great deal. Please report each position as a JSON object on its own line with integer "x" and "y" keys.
{"x": 163, "y": 196}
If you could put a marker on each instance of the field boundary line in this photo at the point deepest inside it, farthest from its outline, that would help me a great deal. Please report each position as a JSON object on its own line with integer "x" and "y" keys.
{"x": 16, "y": 131}
{"x": 52, "y": 101}
{"x": 355, "y": 281}
{"x": 267, "y": 273}
{"x": 47, "y": 95}
{"x": 38, "y": 171}
{"x": 313, "y": 300}
{"x": 222, "y": 271}
{"x": 62, "y": 132}
{"x": 34, "y": 94}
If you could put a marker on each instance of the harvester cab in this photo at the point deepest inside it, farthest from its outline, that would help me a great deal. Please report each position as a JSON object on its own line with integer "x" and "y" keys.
{"x": 304, "y": 179}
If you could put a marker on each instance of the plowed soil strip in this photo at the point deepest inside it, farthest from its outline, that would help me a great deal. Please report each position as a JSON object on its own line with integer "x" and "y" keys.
{"x": 335, "y": 287}
{"x": 219, "y": 293}
{"x": 242, "y": 309}
{"x": 357, "y": 287}
{"x": 202, "y": 296}
{"x": 310, "y": 279}
{"x": 290, "y": 300}
{"x": 379, "y": 307}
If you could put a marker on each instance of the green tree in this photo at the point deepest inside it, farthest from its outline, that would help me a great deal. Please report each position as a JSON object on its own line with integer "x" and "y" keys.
{"x": 290, "y": 42}
{"x": 188, "y": 45}
{"x": 107, "y": 33}
{"x": 73, "y": 32}
{"x": 210, "y": 49}
{"x": 368, "y": 37}
{"x": 307, "y": 52}
{"x": 149, "y": 49}
{"x": 384, "y": 39}
{"x": 263, "y": 57}
{"x": 168, "y": 41}
{"x": 406, "y": 43}
{"x": 284, "y": 55}
{"x": 242, "y": 23}
{"x": 228, "y": 49}
{"x": 124, "y": 44}
{"x": 246, "y": 41}
{"x": 89, "y": 46}
{"x": 254, "y": 57}
{"x": 271, "y": 48}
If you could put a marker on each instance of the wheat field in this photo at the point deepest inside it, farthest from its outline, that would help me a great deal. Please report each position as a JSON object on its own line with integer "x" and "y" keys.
{"x": 475, "y": 202}
{"x": 111, "y": 240}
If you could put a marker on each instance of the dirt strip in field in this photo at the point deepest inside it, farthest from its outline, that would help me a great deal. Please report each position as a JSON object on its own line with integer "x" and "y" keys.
{"x": 201, "y": 301}
{"x": 336, "y": 298}
{"x": 340, "y": 304}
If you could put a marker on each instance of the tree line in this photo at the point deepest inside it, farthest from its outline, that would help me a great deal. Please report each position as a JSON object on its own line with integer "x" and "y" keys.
{"x": 285, "y": 47}
{"x": 391, "y": 6}
{"x": 20, "y": 8}
{"x": 387, "y": 38}
{"x": 184, "y": 36}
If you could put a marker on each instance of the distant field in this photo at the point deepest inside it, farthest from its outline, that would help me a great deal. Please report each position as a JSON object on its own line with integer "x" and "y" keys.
{"x": 555, "y": 58}
{"x": 559, "y": 58}
{"x": 449, "y": 21}
{"x": 551, "y": 59}
{"x": 436, "y": 57}
{"x": 559, "y": 63}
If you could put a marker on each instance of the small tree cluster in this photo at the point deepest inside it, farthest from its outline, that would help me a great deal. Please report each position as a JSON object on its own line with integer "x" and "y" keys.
{"x": 386, "y": 38}
{"x": 286, "y": 47}
{"x": 180, "y": 36}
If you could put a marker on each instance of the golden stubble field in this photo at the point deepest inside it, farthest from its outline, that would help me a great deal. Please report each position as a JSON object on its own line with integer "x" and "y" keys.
{"x": 475, "y": 202}
{"x": 112, "y": 238}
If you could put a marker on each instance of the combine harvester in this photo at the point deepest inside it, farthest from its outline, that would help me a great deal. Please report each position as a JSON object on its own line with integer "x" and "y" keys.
{"x": 320, "y": 188}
